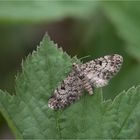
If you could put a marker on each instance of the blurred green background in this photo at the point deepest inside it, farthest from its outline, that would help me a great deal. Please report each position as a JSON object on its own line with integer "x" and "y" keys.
{"x": 82, "y": 28}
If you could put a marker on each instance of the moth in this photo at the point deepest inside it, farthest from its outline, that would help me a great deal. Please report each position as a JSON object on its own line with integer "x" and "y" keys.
{"x": 93, "y": 74}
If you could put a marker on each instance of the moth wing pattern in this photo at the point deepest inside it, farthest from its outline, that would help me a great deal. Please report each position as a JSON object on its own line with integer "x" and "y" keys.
{"x": 69, "y": 91}
{"x": 95, "y": 73}
{"x": 99, "y": 71}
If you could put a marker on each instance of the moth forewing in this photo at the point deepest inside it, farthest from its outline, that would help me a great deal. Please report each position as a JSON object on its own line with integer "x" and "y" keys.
{"x": 95, "y": 73}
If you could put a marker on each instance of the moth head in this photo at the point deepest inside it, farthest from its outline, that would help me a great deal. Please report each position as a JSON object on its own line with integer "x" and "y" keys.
{"x": 75, "y": 66}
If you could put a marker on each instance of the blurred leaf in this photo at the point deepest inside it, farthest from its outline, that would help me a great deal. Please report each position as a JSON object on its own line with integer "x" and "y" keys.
{"x": 126, "y": 17}
{"x": 1, "y": 120}
{"x": 28, "y": 115}
{"x": 100, "y": 38}
{"x": 37, "y": 11}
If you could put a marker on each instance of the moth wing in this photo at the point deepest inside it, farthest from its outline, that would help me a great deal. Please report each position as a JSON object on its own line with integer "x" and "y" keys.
{"x": 101, "y": 70}
{"x": 69, "y": 91}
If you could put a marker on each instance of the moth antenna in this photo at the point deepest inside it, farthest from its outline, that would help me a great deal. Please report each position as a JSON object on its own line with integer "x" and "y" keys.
{"x": 84, "y": 57}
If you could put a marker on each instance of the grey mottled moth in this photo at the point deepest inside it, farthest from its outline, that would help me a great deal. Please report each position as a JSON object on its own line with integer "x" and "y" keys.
{"x": 95, "y": 73}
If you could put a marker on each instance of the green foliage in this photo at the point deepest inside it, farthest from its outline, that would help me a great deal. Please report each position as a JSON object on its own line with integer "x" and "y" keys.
{"x": 29, "y": 117}
{"x": 125, "y": 16}
{"x": 106, "y": 27}
{"x": 36, "y": 11}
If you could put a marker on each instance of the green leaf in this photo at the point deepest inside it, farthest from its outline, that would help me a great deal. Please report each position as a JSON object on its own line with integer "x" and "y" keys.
{"x": 29, "y": 116}
{"x": 37, "y": 11}
{"x": 125, "y": 16}
{"x": 27, "y": 110}
{"x": 103, "y": 119}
